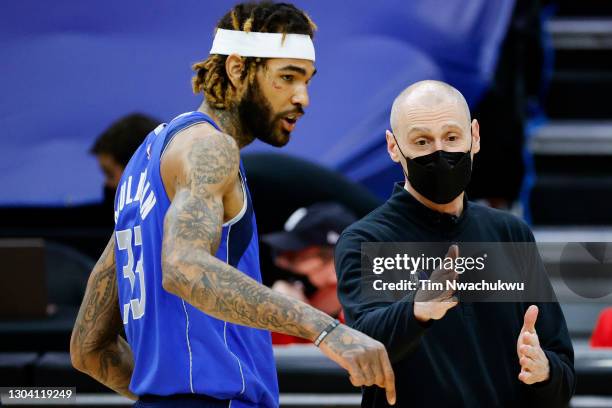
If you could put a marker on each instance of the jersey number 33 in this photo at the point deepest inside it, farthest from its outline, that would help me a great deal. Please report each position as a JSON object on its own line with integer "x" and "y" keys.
{"x": 124, "y": 243}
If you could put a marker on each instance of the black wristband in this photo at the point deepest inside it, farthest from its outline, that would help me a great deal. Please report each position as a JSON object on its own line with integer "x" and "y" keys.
{"x": 326, "y": 331}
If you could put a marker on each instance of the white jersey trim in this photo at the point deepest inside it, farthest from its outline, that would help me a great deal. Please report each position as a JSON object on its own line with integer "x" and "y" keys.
{"x": 225, "y": 323}
{"x": 189, "y": 349}
{"x": 245, "y": 202}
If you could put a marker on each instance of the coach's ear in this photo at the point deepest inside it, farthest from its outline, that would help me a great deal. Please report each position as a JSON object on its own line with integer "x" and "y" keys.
{"x": 234, "y": 66}
{"x": 392, "y": 147}
{"x": 475, "y": 127}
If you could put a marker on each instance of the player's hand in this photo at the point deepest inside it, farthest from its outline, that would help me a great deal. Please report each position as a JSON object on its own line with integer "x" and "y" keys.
{"x": 533, "y": 360}
{"x": 432, "y": 304}
{"x": 364, "y": 358}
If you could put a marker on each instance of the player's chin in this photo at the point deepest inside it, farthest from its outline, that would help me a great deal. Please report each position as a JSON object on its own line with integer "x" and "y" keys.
{"x": 279, "y": 138}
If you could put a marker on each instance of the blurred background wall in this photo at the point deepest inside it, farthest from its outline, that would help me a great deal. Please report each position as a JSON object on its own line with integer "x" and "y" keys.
{"x": 70, "y": 68}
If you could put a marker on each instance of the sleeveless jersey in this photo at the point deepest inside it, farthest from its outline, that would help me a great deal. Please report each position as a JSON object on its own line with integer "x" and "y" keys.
{"x": 177, "y": 348}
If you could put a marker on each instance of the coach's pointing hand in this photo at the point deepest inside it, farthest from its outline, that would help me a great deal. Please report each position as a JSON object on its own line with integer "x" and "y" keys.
{"x": 533, "y": 360}
{"x": 433, "y": 304}
{"x": 364, "y": 358}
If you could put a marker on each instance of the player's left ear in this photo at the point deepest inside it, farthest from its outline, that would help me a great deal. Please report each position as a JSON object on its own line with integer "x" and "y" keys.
{"x": 234, "y": 66}
{"x": 475, "y": 136}
{"x": 392, "y": 147}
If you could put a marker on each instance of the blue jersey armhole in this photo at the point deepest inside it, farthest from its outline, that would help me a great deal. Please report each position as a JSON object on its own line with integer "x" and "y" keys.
{"x": 181, "y": 123}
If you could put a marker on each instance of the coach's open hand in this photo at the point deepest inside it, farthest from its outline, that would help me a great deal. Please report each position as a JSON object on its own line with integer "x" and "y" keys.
{"x": 433, "y": 304}
{"x": 364, "y": 358}
{"x": 533, "y": 360}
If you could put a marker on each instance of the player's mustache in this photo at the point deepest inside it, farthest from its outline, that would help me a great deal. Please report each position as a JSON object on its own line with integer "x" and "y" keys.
{"x": 299, "y": 111}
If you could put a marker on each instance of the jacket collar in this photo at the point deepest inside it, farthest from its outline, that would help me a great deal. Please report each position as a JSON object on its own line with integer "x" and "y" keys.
{"x": 405, "y": 203}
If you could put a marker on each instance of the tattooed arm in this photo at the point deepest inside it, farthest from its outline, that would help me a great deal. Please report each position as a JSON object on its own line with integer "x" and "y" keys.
{"x": 199, "y": 173}
{"x": 96, "y": 348}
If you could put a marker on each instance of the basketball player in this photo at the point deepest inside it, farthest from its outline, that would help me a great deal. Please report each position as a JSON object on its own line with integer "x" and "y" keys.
{"x": 181, "y": 272}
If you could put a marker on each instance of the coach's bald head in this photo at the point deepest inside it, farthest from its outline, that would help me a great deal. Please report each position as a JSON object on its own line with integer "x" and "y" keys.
{"x": 424, "y": 97}
{"x": 429, "y": 116}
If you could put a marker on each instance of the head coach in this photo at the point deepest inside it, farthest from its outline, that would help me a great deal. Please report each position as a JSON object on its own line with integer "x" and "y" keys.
{"x": 449, "y": 353}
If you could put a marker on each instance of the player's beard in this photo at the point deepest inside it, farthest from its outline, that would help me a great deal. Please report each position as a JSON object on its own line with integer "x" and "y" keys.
{"x": 257, "y": 120}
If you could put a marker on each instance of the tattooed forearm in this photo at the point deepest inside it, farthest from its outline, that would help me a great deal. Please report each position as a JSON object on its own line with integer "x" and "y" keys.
{"x": 224, "y": 292}
{"x": 116, "y": 365}
{"x": 192, "y": 231}
{"x": 96, "y": 347}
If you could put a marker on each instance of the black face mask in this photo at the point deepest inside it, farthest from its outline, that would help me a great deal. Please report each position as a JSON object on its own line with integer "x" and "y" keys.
{"x": 439, "y": 176}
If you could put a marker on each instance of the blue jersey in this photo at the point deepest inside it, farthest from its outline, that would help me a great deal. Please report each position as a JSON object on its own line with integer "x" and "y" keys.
{"x": 177, "y": 348}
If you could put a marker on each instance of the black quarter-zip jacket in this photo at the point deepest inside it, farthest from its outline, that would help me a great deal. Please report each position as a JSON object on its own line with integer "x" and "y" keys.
{"x": 468, "y": 358}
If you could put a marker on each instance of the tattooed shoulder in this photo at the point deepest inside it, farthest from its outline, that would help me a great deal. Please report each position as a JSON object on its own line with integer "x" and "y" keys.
{"x": 212, "y": 159}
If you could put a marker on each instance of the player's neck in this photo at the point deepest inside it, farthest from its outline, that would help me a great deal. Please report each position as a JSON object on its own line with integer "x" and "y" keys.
{"x": 229, "y": 122}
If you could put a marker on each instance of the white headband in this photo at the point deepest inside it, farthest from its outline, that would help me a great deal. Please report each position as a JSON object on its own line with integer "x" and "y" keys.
{"x": 264, "y": 45}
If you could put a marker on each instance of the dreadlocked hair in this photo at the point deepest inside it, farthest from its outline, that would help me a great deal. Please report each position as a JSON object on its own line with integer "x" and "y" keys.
{"x": 265, "y": 17}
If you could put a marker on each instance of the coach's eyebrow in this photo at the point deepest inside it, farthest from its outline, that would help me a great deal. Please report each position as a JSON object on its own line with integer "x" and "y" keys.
{"x": 418, "y": 129}
{"x": 451, "y": 126}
